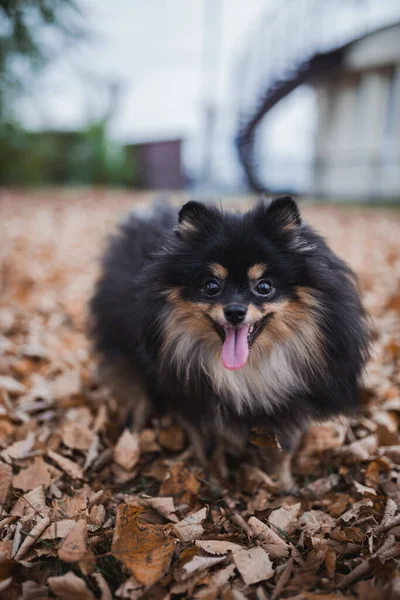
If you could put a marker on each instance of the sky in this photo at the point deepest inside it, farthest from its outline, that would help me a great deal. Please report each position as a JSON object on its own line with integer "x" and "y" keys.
{"x": 169, "y": 58}
{"x": 155, "y": 51}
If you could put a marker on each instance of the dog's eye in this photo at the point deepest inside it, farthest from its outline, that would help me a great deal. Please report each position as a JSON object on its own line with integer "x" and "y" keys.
{"x": 212, "y": 287}
{"x": 264, "y": 288}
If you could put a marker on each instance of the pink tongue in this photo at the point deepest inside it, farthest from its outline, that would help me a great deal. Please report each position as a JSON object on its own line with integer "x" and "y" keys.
{"x": 236, "y": 347}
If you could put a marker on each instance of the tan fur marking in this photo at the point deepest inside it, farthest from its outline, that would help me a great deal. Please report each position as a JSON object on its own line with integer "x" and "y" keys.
{"x": 256, "y": 271}
{"x": 216, "y": 312}
{"x": 290, "y": 343}
{"x": 219, "y": 271}
{"x": 254, "y": 314}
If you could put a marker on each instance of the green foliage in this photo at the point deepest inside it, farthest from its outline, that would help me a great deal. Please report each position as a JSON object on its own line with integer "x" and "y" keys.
{"x": 31, "y": 32}
{"x": 54, "y": 157}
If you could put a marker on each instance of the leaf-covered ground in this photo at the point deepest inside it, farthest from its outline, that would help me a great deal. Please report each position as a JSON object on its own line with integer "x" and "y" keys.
{"x": 89, "y": 510}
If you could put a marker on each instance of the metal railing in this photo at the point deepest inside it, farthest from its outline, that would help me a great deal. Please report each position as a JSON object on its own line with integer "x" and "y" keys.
{"x": 278, "y": 48}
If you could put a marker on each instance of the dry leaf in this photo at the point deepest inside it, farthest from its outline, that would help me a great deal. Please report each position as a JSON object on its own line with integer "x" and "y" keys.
{"x": 67, "y": 465}
{"x": 20, "y": 449}
{"x": 102, "y": 585}
{"x": 70, "y": 587}
{"x": 217, "y": 546}
{"x": 270, "y": 541}
{"x": 127, "y": 451}
{"x": 59, "y": 529}
{"x": 221, "y": 577}
{"x": 129, "y": 589}
{"x": 180, "y": 483}
{"x": 148, "y": 441}
{"x": 77, "y": 436}
{"x": 146, "y": 550}
{"x": 354, "y": 511}
{"x": 164, "y": 506}
{"x": 313, "y": 521}
{"x": 31, "y": 504}
{"x": 37, "y": 473}
{"x": 6, "y": 477}
{"x": 284, "y": 518}
{"x": 320, "y": 487}
{"x": 196, "y": 565}
{"x": 74, "y": 546}
{"x": 32, "y": 537}
{"x": 65, "y": 385}
{"x": 190, "y": 528}
{"x": 172, "y": 438}
{"x": 11, "y": 385}
{"x": 361, "y": 449}
{"x": 253, "y": 564}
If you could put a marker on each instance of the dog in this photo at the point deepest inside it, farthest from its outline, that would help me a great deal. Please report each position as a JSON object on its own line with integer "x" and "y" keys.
{"x": 229, "y": 322}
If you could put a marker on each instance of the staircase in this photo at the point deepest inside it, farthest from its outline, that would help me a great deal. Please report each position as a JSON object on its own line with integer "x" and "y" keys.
{"x": 298, "y": 42}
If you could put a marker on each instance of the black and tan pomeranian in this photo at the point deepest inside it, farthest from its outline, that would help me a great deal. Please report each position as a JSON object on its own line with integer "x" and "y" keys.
{"x": 229, "y": 321}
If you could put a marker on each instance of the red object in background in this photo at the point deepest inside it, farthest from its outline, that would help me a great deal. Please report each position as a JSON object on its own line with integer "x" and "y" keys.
{"x": 160, "y": 165}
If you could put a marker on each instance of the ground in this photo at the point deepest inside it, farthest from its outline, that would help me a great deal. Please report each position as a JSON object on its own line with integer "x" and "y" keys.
{"x": 90, "y": 510}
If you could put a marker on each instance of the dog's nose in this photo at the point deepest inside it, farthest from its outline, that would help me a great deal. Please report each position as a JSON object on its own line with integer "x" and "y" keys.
{"x": 235, "y": 313}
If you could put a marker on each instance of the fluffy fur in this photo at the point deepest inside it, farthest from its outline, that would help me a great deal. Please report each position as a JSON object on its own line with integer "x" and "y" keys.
{"x": 154, "y": 322}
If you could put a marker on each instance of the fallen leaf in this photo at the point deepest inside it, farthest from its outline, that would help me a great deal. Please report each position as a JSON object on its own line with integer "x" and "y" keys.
{"x": 354, "y": 511}
{"x": 65, "y": 385}
{"x": 70, "y": 587}
{"x": 196, "y": 565}
{"x": 148, "y": 441}
{"x": 164, "y": 506}
{"x": 360, "y": 449}
{"x": 37, "y": 473}
{"x": 221, "y": 577}
{"x": 284, "y": 518}
{"x": 270, "y": 541}
{"x": 102, "y": 585}
{"x": 20, "y": 449}
{"x": 146, "y": 550}
{"x": 190, "y": 528}
{"x": 31, "y": 504}
{"x": 180, "y": 483}
{"x": 73, "y": 547}
{"x": 32, "y": 537}
{"x": 11, "y": 385}
{"x": 129, "y": 588}
{"x": 127, "y": 451}
{"x": 67, "y": 465}
{"x": 253, "y": 564}
{"x": 77, "y": 436}
{"x": 6, "y": 478}
{"x": 313, "y": 521}
{"x": 217, "y": 546}
{"x": 320, "y": 487}
{"x": 59, "y": 529}
{"x": 172, "y": 438}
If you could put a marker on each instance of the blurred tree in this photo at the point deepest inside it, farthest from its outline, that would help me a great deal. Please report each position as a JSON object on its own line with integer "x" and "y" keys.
{"x": 30, "y": 33}
{"x": 33, "y": 32}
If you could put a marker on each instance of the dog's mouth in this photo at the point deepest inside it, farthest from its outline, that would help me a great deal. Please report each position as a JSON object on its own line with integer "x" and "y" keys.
{"x": 237, "y": 342}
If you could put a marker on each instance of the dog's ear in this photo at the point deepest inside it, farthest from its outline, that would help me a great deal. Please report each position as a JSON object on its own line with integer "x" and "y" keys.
{"x": 283, "y": 213}
{"x": 192, "y": 216}
{"x": 281, "y": 217}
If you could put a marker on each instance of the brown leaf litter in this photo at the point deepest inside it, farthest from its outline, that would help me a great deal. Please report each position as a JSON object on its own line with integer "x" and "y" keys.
{"x": 89, "y": 509}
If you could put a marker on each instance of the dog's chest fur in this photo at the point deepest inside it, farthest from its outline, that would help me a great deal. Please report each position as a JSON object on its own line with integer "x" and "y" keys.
{"x": 268, "y": 379}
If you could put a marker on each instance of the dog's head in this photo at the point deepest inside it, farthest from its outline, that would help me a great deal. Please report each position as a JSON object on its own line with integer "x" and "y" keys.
{"x": 238, "y": 283}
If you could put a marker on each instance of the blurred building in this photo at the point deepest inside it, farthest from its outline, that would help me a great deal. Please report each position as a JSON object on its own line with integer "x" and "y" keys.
{"x": 357, "y": 152}
{"x": 344, "y": 59}
{"x": 158, "y": 164}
